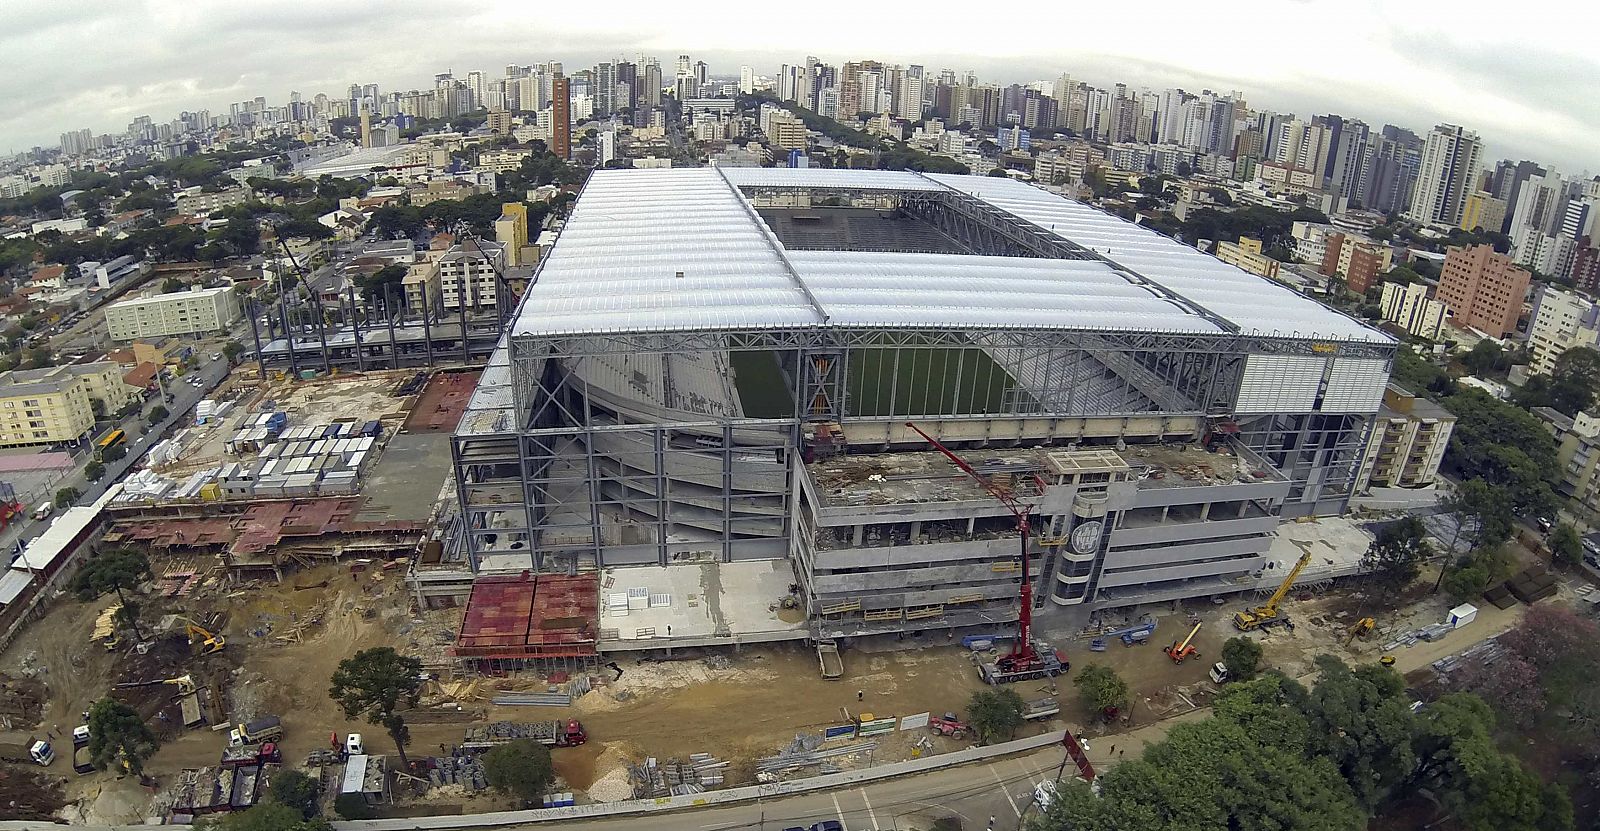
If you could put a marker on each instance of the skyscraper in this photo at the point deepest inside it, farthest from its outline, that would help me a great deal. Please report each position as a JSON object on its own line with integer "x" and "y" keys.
{"x": 747, "y": 80}
{"x": 561, "y": 118}
{"x": 1451, "y": 156}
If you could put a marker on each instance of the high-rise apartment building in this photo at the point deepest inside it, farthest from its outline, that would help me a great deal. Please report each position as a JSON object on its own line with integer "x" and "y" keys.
{"x": 1412, "y": 307}
{"x": 1393, "y": 159}
{"x": 747, "y": 80}
{"x": 1561, "y": 320}
{"x": 561, "y": 118}
{"x": 1484, "y": 211}
{"x": 1451, "y": 157}
{"x": 1407, "y": 442}
{"x": 1483, "y": 289}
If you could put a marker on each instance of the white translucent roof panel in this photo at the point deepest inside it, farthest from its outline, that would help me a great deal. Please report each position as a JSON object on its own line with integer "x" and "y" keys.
{"x": 1255, "y": 304}
{"x": 615, "y": 265}
{"x": 819, "y": 177}
{"x": 903, "y": 289}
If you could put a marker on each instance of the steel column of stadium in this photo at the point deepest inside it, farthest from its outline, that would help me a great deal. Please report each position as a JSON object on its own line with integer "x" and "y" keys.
{"x": 427, "y": 330}
{"x": 658, "y": 450}
{"x": 288, "y": 334}
{"x": 388, "y": 317}
{"x": 255, "y": 336}
{"x": 355, "y": 328}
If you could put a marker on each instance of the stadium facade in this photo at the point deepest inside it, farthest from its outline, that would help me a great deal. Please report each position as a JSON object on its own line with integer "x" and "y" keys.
{"x": 717, "y": 365}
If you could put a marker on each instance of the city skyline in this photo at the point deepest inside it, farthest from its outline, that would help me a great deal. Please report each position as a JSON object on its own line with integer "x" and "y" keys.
{"x": 165, "y": 59}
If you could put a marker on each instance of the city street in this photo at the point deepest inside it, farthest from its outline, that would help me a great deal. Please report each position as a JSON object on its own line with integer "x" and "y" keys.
{"x": 185, "y": 397}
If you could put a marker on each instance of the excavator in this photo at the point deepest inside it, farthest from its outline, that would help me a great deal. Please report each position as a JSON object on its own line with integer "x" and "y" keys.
{"x": 1184, "y": 649}
{"x": 184, "y": 683}
{"x": 203, "y": 638}
{"x": 1361, "y": 629}
{"x": 1266, "y": 615}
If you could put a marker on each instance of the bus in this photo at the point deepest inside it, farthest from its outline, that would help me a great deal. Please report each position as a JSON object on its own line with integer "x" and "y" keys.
{"x": 108, "y": 441}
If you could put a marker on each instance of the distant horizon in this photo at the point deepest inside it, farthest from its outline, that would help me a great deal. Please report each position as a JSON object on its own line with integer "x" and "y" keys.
{"x": 158, "y": 58}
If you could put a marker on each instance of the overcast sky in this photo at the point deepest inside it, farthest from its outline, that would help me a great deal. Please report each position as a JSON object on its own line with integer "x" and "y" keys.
{"x": 1525, "y": 75}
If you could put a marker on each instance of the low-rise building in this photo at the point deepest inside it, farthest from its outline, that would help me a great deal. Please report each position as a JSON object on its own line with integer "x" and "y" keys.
{"x": 469, "y": 274}
{"x": 1407, "y": 442}
{"x": 445, "y": 189}
{"x": 1412, "y": 307}
{"x": 1246, "y": 254}
{"x": 503, "y": 160}
{"x": 1577, "y": 454}
{"x": 201, "y": 203}
{"x": 58, "y": 404}
{"x": 178, "y": 313}
{"x": 1357, "y": 259}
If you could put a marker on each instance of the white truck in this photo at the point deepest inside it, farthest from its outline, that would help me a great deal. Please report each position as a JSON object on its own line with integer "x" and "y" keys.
{"x": 18, "y": 746}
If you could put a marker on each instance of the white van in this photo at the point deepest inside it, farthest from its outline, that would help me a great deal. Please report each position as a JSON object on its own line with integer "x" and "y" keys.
{"x": 44, "y": 510}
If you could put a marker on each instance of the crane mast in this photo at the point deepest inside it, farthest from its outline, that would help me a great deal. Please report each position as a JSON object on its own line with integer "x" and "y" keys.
{"x": 1023, "y": 655}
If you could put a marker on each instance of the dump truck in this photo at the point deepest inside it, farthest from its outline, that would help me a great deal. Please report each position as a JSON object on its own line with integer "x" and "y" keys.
{"x": 557, "y": 733}
{"x": 828, "y": 657}
{"x": 264, "y": 729}
{"x": 18, "y": 746}
{"x": 82, "y": 762}
{"x": 251, "y": 754}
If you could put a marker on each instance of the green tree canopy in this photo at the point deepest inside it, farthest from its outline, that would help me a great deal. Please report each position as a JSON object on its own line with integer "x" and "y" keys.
{"x": 1100, "y": 689}
{"x": 267, "y": 816}
{"x": 114, "y": 570}
{"x": 66, "y": 496}
{"x": 1565, "y": 544}
{"x": 995, "y": 713}
{"x": 521, "y": 768}
{"x": 294, "y": 789}
{"x": 1397, "y": 553}
{"x": 376, "y": 683}
{"x": 118, "y": 736}
{"x": 1242, "y": 657}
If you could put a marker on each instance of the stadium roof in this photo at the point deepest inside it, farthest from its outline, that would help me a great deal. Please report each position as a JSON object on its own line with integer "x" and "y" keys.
{"x": 683, "y": 249}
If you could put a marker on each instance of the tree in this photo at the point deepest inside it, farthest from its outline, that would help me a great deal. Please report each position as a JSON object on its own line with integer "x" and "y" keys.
{"x": 1361, "y": 721}
{"x": 66, "y": 496}
{"x": 94, "y": 470}
{"x": 231, "y": 350}
{"x": 997, "y": 172}
{"x": 1101, "y": 690}
{"x": 352, "y": 806}
{"x": 1397, "y": 553}
{"x": 1485, "y": 356}
{"x": 270, "y": 816}
{"x": 1242, "y": 657}
{"x": 521, "y": 768}
{"x": 118, "y": 734}
{"x": 171, "y": 285}
{"x": 1565, "y": 545}
{"x": 158, "y": 413}
{"x": 1482, "y": 507}
{"x": 375, "y": 683}
{"x": 294, "y": 789}
{"x": 114, "y": 453}
{"x": 995, "y": 713}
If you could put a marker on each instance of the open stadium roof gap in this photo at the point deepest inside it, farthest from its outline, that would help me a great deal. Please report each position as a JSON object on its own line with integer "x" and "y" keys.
{"x": 685, "y": 249}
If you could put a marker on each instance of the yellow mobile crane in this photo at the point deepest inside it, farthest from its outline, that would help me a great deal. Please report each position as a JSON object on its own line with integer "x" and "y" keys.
{"x": 1267, "y": 613}
{"x": 184, "y": 683}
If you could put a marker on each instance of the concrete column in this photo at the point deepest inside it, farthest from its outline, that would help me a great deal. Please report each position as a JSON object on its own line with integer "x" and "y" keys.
{"x": 916, "y": 529}
{"x": 857, "y": 533}
{"x": 1205, "y": 511}
{"x": 1244, "y": 505}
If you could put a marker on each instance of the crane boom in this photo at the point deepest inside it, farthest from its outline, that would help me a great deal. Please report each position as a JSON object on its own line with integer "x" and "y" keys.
{"x": 1271, "y": 606}
{"x": 1022, "y": 652}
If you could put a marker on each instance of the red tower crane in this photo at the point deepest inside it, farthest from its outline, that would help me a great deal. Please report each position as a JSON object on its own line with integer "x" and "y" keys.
{"x": 1026, "y": 659}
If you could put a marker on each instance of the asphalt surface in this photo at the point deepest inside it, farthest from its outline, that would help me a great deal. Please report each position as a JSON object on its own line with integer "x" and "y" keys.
{"x": 185, "y": 397}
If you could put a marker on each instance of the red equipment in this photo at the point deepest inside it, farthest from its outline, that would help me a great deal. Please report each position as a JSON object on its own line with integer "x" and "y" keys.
{"x": 1023, "y": 658}
{"x": 948, "y": 725}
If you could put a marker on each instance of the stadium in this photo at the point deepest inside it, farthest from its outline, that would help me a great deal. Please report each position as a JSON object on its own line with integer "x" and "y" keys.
{"x": 716, "y": 367}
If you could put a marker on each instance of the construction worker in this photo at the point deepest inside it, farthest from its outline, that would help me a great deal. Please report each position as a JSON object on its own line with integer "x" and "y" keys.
{"x": 861, "y": 695}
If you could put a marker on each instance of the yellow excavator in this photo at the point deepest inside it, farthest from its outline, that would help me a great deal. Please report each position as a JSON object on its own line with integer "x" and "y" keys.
{"x": 1361, "y": 629}
{"x": 184, "y": 683}
{"x": 200, "y": 636}
{"x": 1266, "y": 614}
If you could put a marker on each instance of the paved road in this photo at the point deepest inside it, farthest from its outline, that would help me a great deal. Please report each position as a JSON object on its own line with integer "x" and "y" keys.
{"x": 180, "y": 411}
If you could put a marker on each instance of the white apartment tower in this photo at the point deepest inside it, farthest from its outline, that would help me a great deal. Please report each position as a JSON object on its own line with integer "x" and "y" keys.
{"x": 1451, "y": 157}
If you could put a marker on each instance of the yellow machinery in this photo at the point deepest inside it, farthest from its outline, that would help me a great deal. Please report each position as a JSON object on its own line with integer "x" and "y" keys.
{"x": 201, "y": 637}
{"x": 184, "y": 683}
{"x": 1267, "y": 613}
{"x": 1362, "y": 629}
{"x": 1179, "y": 650}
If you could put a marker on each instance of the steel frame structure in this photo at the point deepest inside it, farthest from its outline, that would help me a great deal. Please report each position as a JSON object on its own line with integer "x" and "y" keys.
{"x": 559, "y": 470}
